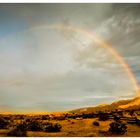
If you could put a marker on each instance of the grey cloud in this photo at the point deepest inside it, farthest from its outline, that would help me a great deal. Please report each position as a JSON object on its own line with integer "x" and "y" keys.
{"x": 38, "y": 66}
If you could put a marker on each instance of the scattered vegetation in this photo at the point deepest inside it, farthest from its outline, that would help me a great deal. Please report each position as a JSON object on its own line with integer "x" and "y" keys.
{"x": 19, "y": 131}
{"x": 117, "y": 128}
{"x": 19, "y": 125}
{"x": 33, "y": 125}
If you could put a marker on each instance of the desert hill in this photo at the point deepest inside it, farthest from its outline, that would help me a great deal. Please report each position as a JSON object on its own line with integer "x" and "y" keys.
{"x": 135, "y": 103}
{"x": 121, "y": 105}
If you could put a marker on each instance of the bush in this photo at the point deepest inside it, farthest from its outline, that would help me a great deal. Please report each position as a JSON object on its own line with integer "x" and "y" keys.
{"x": 138, "y": 122}
{"x": 45, "y": 117}
{"x": 72, "y": 122}
{"x": 52, "y": 127}
{"x": 134, "y": 121}
{"x": 34, "y": 126}
{"x": 96, "y": 123}
{"x": 4, "y": 123}
{"x": 131, "y": 112}
{"x": 117, "y": 128}
{"x": 19, "y": 131}
{"x": 116, "y": 118}
{"x": 103, "y": 116}
{"x": 120, "y": 113}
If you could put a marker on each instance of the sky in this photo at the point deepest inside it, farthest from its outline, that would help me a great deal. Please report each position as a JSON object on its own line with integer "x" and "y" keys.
{"x": 49, "y": 69}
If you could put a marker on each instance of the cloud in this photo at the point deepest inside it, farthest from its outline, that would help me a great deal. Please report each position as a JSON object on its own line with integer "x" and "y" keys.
{"x": 40, "y": 66}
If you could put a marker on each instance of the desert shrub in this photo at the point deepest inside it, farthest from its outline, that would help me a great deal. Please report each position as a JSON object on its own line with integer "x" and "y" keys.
{"x": 7, "y": 118}
{"x": 34, "y": 125}
{"x": 117, "y": 128}
{"x": 72, "y": 122}
{"x": 52, "y": 127}
{"x": 134, "y": 121}
{"x": 131, "y": 112}
{"x": 84, "y": 115}
{"x": 116, "y": 118}
{"x": 138, "y": 122}
{"x": 88, "y": 115}
{"x": 120, "y": 113}
{"x": 18, "y": 131}
{"x": 103, "y": 116}
{"x": 96, "y": 123}
{"x": 28, "y": 120}
{"x": 4, "y": 123}
{"x": 69, "y": 115}
{"x": 22, "y": 126}
{"x": 45, "y": 117}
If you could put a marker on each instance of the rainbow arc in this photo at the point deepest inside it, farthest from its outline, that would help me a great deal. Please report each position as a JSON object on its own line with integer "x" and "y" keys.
{"x": 101, "y": 43}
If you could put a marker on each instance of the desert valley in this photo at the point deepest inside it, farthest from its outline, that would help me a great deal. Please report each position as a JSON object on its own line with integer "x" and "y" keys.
{"x": 120, "y": 118}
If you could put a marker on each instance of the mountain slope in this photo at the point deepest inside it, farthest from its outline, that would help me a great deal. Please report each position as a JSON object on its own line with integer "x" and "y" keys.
{"x": 122, "y": 104}
{"x": 134, "y": 103}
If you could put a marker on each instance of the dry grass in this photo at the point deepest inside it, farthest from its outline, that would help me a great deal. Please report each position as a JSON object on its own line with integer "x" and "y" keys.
{"x": 73, "y": 124}
{"x": 80, "y": 128}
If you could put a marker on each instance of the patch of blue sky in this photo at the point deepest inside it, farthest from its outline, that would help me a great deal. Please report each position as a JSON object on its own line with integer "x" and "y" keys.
{"x": 9, "y": 23}
{"x": 138, "y": 77}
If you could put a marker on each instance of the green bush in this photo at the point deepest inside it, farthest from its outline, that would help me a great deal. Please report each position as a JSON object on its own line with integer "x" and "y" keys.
{"x": 117, "y": 128}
